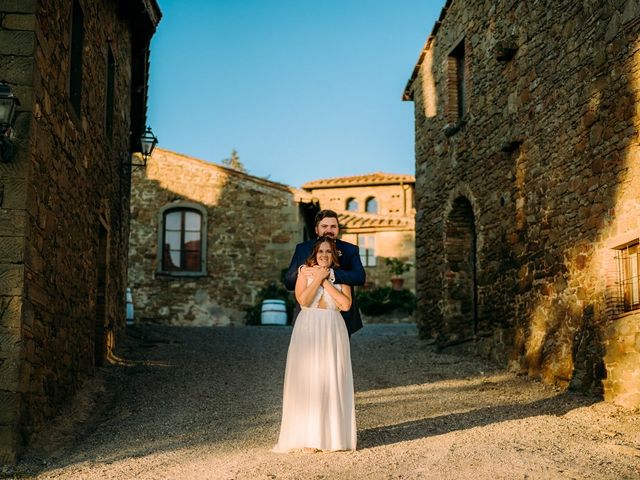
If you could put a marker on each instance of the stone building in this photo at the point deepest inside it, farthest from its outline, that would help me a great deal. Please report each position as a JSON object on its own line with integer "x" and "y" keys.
{"x": 528, "y": 187}
{"x": 79, "y": 69}
{"x": 376, "y": 212}
{"x": 205, "y": 239}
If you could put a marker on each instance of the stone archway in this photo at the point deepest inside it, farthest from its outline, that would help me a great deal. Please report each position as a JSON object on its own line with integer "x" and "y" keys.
{"x": 460, "y": 310}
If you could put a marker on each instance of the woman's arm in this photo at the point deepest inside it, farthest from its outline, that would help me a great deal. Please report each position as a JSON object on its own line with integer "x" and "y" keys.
{"x": 304, "y": 292}
{"x": 342, "y": 298}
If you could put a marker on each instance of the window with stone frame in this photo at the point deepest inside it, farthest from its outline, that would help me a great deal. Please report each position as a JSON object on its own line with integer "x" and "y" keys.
{"x": 371, "y": 205}
{"x": 367, "y": 246}
{"x": 352, "y": 204}
{"x": 75, "y": 61}
{"x": 628, "y": 266}
{"x": 456, "y": 81}
{"x": 183, "y": 240}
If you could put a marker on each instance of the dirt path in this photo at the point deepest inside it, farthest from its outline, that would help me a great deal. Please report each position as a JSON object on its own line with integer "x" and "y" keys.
{"x": 204, "y": 403}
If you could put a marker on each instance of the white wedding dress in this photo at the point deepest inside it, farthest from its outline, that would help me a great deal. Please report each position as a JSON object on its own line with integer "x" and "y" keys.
{"x": 318, "y": 408}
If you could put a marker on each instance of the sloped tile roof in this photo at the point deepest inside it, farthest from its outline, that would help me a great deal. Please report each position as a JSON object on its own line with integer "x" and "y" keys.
{"x": 354, "y": 220}
{"x": 377, "y": 178}
{"x": 299, "y": 195}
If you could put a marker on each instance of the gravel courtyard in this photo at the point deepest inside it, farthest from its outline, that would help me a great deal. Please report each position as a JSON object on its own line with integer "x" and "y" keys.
{"x": 204, "y": 403}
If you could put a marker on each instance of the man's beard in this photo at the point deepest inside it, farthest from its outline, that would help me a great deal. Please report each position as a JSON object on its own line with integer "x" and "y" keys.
{"x": 329, "y": 234}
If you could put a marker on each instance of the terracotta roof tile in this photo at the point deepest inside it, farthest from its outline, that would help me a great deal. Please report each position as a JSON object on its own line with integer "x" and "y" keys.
{"x": 377, "y": 178}
{"x": 350, "y": 220}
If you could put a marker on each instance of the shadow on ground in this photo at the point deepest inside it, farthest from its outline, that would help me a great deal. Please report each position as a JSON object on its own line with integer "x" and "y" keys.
{"x": 209, "y": 389}
{"x": 556, "y": 406}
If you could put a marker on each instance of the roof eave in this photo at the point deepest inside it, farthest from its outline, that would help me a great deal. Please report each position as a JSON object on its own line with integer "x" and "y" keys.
{"x": 344, "y": 185}
{"x": 144, "y": 14}
{"x": 360, "y": 181}
{"x": 152, "y": 11}
{"x": 407, "y": 95}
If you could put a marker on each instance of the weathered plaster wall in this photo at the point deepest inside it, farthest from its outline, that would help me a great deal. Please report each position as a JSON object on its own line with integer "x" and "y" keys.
{"x": 392, "y": 199}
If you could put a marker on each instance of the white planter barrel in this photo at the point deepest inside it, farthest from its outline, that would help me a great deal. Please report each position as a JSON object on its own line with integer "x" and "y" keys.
{"x": 129, "y": 300}
{"x": 274, "y": 312}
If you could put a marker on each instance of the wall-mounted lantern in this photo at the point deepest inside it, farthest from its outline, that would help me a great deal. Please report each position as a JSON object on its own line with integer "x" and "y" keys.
{"x": 8, "y": 104}
{"x": 148, "y": 142}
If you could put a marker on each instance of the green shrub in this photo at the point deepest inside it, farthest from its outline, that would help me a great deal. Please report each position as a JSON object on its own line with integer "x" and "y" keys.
{"x": 385, "y": 300}
{"x": 396, "y": 266}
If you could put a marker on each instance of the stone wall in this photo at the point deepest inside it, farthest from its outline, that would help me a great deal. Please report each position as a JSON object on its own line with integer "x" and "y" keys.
{"x": 63, "y": 211}
{"x": 523, "y": 202}
{"x": 253, "y": 226}
{"x": 622, "y": 360}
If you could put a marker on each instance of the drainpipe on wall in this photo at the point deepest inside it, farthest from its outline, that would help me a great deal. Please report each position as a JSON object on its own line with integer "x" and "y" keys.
{"x": 404, "y": 198}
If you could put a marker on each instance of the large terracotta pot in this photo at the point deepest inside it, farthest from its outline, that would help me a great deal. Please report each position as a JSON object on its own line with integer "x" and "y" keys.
{"x": 397, "y": 283}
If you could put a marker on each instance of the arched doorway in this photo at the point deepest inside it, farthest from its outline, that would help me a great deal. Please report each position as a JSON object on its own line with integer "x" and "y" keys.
{"x": 460, "y": 283}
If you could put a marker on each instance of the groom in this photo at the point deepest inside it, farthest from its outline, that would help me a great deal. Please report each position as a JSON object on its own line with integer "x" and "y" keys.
{"x": 351, "y": 271}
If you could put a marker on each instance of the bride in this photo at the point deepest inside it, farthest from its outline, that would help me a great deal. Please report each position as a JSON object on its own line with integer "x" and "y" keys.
{"x": 318, "y": 410}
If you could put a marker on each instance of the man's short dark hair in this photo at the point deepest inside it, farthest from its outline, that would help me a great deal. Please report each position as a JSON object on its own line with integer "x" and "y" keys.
{"x": 322, "y": 214}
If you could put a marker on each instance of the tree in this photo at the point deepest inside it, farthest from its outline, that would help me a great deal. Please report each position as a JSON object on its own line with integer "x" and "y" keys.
{"x": 234, "y": 162}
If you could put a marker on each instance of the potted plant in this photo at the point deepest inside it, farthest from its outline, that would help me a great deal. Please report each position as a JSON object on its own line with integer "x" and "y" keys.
{"x": 397, "y": 267}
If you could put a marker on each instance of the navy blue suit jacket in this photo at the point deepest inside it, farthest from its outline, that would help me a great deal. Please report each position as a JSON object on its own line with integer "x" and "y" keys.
{"x": 351, "y": 272}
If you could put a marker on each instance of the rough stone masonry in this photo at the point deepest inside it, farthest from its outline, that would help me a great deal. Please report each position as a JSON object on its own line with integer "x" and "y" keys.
{"x": 64, "y": 208}
{"x": 528, "y": 188}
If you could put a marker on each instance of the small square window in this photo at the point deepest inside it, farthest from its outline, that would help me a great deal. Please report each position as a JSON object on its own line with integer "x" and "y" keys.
{"x": 367, "y": 245}
{"x": 628, "y": 265}
{"x": 456, "y": 81}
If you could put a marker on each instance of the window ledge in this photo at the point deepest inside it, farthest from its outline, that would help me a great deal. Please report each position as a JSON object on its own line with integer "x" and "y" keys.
{"x": 73, "y": 115}
{"x": 182, "y": 274}
{"x": 452, "y": 128}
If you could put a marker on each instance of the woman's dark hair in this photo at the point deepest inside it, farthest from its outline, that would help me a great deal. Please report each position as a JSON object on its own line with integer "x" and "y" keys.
{"x": 311, "y": 261}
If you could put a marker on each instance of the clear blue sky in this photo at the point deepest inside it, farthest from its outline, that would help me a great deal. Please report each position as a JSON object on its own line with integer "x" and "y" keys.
{"x": 301, "y": 89}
